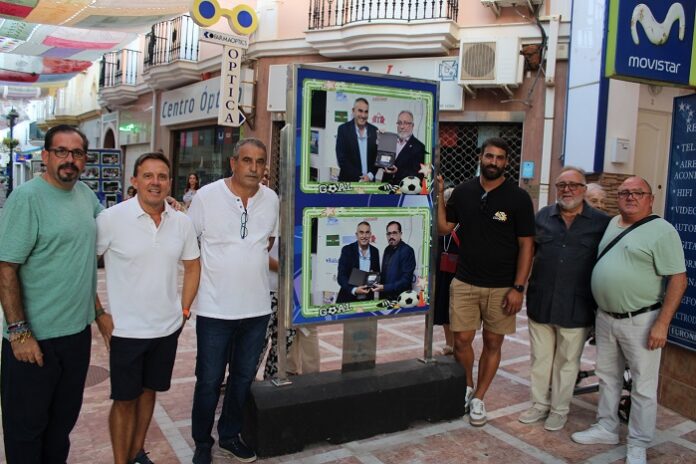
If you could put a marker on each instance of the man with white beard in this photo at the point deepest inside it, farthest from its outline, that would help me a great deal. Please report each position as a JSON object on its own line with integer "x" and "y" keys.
{"x": 560, "y": 306}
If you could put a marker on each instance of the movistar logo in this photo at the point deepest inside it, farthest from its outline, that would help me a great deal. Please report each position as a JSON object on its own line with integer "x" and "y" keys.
{"x": 657, "y": 32}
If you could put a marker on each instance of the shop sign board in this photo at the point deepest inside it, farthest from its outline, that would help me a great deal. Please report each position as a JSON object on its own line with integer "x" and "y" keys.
{"x": 680, "y": 210}
{"x": 230, "y": 114}
{"x": 652, "y": 41}
{"x": 191, "y": 103}
{"x": 219, "y": 38}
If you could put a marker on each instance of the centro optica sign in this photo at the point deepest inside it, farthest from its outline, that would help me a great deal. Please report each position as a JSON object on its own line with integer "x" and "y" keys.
{"x": 652, "y": 41}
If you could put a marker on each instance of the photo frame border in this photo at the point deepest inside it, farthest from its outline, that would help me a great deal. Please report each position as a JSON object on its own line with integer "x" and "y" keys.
{"x": 372, "y": 308}
{"x": 309, "y": 85}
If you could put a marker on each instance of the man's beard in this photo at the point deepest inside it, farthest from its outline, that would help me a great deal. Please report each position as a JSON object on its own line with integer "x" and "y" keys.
{"x": 68, "y": 177}
{"x": 491, "y": 172}
{"x": 569, "y": 203}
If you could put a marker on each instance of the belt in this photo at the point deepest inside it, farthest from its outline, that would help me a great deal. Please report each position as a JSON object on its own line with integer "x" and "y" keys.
{"x": 657, "y": 305}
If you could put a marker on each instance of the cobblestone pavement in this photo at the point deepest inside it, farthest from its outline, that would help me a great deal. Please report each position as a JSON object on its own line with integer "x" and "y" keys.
{"x": 503, "y": 439}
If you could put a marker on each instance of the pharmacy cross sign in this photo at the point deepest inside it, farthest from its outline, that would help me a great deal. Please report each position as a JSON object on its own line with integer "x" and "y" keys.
{"x": 242, "y": 19}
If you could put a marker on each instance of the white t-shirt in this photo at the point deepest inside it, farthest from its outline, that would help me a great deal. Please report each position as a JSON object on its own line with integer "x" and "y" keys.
{"x": 234, "y": 270}
{"x": 142, "y": 267}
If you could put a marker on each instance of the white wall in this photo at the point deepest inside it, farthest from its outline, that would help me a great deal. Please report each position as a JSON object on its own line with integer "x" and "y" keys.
{"x": 622, "y": 119}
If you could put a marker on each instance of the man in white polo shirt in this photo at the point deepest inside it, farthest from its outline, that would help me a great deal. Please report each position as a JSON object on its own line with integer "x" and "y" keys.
{"x": 236, "y": 220}
{"x": 143, "y": 240}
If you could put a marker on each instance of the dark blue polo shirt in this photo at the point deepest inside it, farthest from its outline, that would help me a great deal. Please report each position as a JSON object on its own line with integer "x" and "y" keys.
{"x": 559, "y": 287}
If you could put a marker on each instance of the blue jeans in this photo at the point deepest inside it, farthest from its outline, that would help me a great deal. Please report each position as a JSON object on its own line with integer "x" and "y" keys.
{"x": 219, "y": 342}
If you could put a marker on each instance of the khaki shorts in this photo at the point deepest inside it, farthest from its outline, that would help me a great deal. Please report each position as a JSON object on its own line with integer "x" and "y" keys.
{"x": 469, "y": 305}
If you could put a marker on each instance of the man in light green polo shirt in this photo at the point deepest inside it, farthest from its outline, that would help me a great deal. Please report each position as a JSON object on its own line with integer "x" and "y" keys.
{"x": 638, "y": 286}
{"x": 47, "y": 288}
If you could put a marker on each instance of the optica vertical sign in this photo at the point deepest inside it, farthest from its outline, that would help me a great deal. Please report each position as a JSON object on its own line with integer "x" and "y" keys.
{"x": 652, "y": 41}
{"x": 230, "y": 114}
{"x": 680, "y": 210}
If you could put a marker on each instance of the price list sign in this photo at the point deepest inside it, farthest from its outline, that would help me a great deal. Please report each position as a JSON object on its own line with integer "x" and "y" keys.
{"x": 680, "y": 210}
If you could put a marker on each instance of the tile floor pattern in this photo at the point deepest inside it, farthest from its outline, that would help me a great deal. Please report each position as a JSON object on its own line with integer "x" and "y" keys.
{"x": 503, "y": 439}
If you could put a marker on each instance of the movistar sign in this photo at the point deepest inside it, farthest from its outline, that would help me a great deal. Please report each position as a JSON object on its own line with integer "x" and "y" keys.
{"x": 652, "y": 41}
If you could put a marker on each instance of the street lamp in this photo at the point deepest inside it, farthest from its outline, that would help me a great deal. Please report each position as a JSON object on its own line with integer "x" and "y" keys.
{"x": 11, "y": 118}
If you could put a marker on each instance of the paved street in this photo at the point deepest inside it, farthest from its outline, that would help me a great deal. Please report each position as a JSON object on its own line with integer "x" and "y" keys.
{"x": 503, "y": 439}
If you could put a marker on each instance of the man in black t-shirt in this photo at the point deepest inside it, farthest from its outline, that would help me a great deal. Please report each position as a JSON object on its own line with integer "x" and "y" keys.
{"x": 496, "y": 234}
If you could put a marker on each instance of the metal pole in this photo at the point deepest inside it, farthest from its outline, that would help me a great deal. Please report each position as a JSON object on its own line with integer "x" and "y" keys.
{"x": 12, "y": 117}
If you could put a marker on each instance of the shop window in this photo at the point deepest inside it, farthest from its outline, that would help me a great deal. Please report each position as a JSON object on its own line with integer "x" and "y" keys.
{"x": 204, "y": 151}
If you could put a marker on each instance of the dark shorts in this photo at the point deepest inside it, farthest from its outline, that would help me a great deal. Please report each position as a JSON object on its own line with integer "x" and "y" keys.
{"x": 137, "y": 363}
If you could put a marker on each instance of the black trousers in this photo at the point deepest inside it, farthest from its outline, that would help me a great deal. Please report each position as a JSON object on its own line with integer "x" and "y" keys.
{"x": 40, "y": 405}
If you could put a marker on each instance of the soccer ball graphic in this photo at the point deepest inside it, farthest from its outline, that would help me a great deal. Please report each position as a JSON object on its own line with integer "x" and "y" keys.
{"x": 410, "y": 185}
{"x": 408, "y": 299}
{"x": 332, "y": 188}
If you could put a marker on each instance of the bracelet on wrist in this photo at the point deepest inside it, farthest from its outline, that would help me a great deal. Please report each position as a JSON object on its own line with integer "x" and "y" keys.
{"x": 16, "y": 327}
{"x": 20, "y": 337}
{"x": 99, "y": 313}
{"x": 187, "y": 313}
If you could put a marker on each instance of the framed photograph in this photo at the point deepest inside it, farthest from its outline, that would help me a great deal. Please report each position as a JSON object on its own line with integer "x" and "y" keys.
{"x": 92, "y": 157}
{"x": 332, "y": 238}
{"x": 90, "y": 172}
{"x": 111, "y": 158}
{"x": 335, "y": 110}
{"x": 110, "y": 200}
{"x": 93, "y": 184}
{"x": 111, "y": 173}
{"x": 37, "y": 168}
{"x": 111, "y": 186}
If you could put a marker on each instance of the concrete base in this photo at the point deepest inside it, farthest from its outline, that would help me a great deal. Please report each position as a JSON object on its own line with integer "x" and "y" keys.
{"x": 339, "y": 407}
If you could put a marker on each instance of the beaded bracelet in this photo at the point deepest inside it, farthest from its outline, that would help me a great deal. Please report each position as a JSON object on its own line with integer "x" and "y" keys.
{"x": 19, "y": 326}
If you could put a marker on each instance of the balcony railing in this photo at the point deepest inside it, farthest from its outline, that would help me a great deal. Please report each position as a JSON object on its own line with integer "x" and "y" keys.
{"x": 172, "y": 40}
{"x": 331, "y": 13}
{"x": 119, "y": 68}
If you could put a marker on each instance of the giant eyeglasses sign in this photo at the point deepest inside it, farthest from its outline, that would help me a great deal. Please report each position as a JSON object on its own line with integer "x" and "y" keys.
{"x": 243, "y": 20}
{"x": 652, "y": 41}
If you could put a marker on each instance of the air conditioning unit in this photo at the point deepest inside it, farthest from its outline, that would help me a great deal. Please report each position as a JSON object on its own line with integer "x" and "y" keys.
{"x": 496, "y": 5}
{"x": 490, "y": 63}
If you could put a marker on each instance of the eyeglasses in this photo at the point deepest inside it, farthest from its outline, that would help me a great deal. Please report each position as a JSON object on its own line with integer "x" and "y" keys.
{"x": 243, "y": 231}
{"x": 61, "y": 152}
{"x": 572, "y": 186}
{"x": 625, "y": 194}
{"x": 404, "y": 123}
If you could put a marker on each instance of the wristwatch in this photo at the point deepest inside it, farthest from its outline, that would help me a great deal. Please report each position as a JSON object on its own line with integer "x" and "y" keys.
{"x": 519, "y": 288}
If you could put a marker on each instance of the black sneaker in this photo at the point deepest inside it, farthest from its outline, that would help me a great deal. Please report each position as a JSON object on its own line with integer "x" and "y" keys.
{"x": 141, "y": 458}
{"x": 237, "y": 448}
{"x": 202, "y": 455}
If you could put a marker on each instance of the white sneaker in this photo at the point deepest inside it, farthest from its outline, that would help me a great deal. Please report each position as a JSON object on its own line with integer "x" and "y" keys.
{"x": 467, "y": 399}
{"x": 477, "y": 414}
{"x": 635, "y": 455}
{"x": 595, "y": 435}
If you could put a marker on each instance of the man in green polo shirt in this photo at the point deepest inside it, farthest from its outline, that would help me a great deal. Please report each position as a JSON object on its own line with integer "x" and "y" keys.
{"x": 638, "y": 286}
{"x": 47, "y": 288}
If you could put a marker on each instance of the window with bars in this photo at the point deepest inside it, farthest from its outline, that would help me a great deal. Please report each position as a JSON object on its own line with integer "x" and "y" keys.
{"x": 460, "y": 144}
{"x": 274, "y": 168}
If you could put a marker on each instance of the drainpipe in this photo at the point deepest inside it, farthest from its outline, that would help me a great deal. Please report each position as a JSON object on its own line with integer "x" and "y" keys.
{"x": 153, "y": 120}
{"x": 549, "y": 103}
